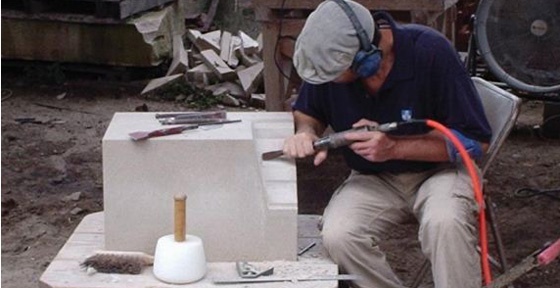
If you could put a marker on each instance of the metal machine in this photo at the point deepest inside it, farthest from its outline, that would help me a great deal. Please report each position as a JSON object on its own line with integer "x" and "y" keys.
{"x": 520, "y": 42}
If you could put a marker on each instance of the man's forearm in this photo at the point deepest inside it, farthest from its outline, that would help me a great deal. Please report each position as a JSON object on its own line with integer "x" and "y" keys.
{"x": 427, "y": 147}
{"x": 308, "y": 124}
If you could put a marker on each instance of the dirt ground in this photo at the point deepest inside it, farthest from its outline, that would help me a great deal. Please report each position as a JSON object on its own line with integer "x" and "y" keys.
{"x": 52, "y": 177}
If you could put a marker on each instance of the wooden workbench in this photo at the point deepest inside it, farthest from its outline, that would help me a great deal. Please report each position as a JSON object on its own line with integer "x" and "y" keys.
{"x": 65, "y": 272}
{"x": 288, "y": 17}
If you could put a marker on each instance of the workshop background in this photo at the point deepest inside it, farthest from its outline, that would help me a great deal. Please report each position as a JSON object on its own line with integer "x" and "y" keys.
{"x": 55, "y": 112}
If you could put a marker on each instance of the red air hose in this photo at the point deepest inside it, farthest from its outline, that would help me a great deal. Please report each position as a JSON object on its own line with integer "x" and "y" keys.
{"x": 487, "y": 274}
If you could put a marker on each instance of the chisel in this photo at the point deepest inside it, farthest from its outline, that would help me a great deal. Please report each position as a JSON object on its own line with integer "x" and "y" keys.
{"x": 142, "y": 135}
{"x": 335, "y": 140}
{"x": 344, "y": 277}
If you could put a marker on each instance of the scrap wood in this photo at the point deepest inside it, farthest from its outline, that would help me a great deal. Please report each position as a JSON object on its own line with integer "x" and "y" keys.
{"x": 193, "y": 35}
{"x": 232, "y": 61}
{"x": 259, "y": 100}
{"x": 201, "y": 74}
{"x": 161, "y": 82}
{"x": 248, "y": 44}
{"x": 225, "y": 46}
{"x": 248, "y": 60}
{"x": 230, "y": 87}
{"x": 196, "y": 59}
{"x": 229, "y": 100}
{"x": 234, "y": 51}
{"x": 180, "y": 61}
{"x": 224, "y": 57}
{"x": 251, "y": 77}
{"x": 210, "y": 40}
{"x": 260, "y": 41}
{"x": 217, "y": 65}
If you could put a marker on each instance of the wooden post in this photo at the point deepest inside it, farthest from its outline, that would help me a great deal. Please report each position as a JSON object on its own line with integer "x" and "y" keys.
{"x": 273, "y": 78}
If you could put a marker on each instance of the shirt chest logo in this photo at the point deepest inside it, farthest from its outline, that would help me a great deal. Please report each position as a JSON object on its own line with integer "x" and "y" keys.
{"x": 406, "y": 114}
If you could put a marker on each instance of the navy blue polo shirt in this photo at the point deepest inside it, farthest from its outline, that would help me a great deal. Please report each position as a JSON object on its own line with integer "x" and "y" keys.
{"x": 427, "y": 81}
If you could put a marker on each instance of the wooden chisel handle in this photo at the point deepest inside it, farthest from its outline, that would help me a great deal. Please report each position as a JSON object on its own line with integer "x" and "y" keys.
{"x": 272, "y": 155}
{"x": 180, "y": 212}
{"x": 169, "y": 131}
{"x": 143, "y": 135}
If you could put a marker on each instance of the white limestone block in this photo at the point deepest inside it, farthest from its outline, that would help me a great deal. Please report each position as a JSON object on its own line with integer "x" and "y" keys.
{"x": 242, "y": 208}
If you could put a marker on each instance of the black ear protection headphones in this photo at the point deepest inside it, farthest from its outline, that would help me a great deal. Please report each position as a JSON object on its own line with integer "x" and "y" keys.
{"x": 368, "y": 59}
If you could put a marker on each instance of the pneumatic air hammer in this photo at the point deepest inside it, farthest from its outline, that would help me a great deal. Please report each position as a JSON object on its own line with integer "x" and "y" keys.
{"x": 336, "y": 140}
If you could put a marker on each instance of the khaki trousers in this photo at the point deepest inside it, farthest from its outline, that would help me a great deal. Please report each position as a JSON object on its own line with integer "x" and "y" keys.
{"x": 366, "y": 207}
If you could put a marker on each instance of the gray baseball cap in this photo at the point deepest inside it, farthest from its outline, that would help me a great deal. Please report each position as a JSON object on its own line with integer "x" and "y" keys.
{"x": 328, "y": 42}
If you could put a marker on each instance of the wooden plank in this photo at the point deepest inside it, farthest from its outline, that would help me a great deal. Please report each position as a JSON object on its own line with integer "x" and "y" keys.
{"x": 210, "y": 40}
{"x": 201, "y": 74}
{"x": 273, "y": 80}
{"x": 225, "y": 46}
{"x": 260, "y": 42}
{"x": 248, "y": 44}
{"x": 233, "y": 61}
{"x": 114, "y": 9}
{"x": 65, "y": 272}
{"x": 217, "y": 65}
{"x": 402, "y": 5}
{"x": 94, "y": 224}
{"x": 251, "y": 77}
{"x": 235, "y": 49}
{"x": 93, "y": 41}
{"x": 180, "y": 62}
{"x": 232, "y": 88}
{"x": 193, "y": 35}
{"x": 158, "y": 83}
{"x": 248, "y": 60}
{"x": 258, "y": 100}
{"x": 68, "y": 274}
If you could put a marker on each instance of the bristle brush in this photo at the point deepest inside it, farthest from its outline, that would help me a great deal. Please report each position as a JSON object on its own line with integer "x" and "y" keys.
{"x": 121, "y": 262}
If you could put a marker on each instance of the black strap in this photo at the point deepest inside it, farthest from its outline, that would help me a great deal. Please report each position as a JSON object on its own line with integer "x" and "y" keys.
{"x": 362, "y": 35}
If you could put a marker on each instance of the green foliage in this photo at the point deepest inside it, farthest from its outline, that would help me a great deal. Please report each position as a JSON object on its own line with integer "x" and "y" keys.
{"x": 187, "y": 93}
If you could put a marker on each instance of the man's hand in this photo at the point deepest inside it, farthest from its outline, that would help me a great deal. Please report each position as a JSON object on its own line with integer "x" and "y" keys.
{"x": 300, "y": 145}
{"x": 374, "y": 146}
